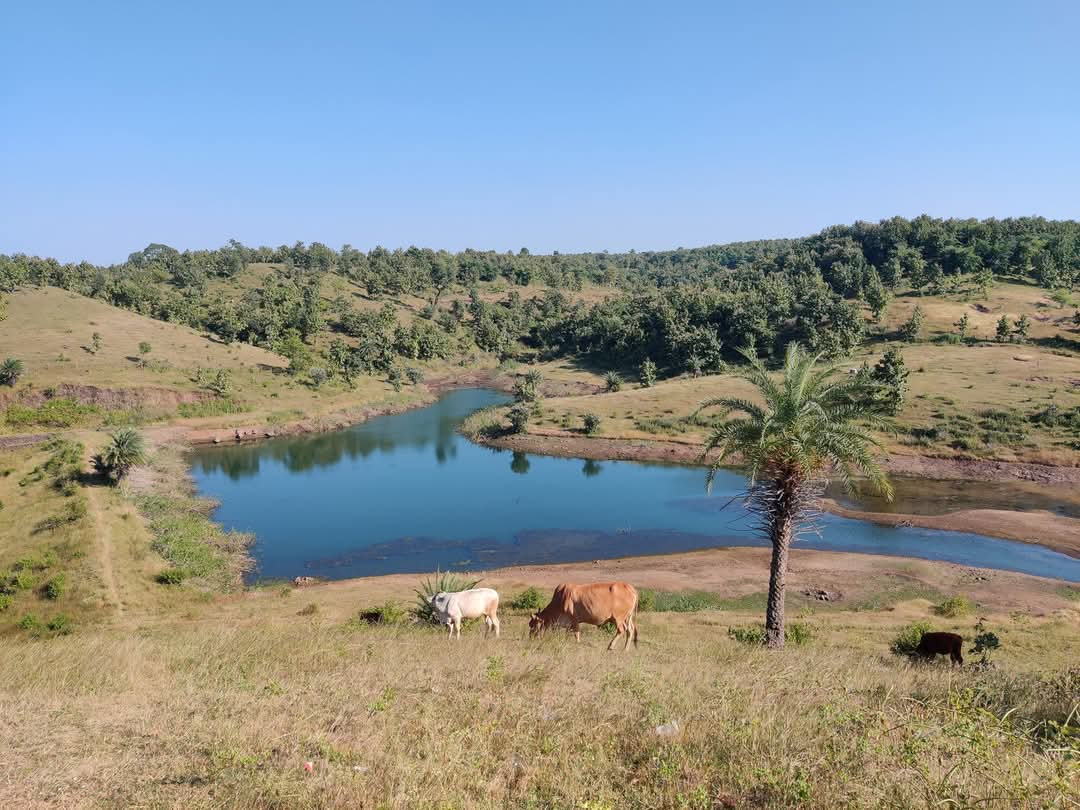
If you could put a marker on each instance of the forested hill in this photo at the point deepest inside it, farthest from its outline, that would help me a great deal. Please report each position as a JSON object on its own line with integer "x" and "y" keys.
{"x": 687, "y": 309}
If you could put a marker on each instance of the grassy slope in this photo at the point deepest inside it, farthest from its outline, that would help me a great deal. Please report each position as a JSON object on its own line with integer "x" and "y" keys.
{"x": 946, "y": 381}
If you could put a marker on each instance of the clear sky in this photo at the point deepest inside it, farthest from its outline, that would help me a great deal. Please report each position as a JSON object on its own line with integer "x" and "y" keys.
{"x": 568, "y": 126}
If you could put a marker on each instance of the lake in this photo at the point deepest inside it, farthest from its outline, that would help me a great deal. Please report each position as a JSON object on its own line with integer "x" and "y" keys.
{"x": 407, "y": 493}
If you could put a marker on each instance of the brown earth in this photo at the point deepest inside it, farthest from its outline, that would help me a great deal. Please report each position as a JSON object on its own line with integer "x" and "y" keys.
{"x": 111, "y": 398}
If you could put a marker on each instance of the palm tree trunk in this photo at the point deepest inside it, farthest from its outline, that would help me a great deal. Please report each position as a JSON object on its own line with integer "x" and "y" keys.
{"x": 781, "y": 530}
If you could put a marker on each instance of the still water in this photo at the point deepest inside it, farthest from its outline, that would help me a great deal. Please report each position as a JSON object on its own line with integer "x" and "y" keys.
{"x": 406, "y": 493}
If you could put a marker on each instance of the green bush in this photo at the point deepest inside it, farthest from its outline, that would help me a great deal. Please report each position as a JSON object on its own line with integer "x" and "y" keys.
{"x": 648, "y": 373}
{"x": 954, "y": 607}
{"x": 31, "y": 623}
{"x": 591, "y": 423}
{"x": 387, "y": 613}
{"x": 10, "y": 371}
{"x": 441, "y": 581}
{"x": 125, "y": 450}
{"x": 908, "y": 639}
{"x": 754, "y": 635}
{"x": 170, "y": 576}
{"x": 529, "y": 599}
{"x": 646, "y": 600}
{"x": 5, "y": 601}
{"x": 61, "y": 624}
{"x": 55, "y": 587}
{"x": 415, "y": 375}
{"x": 519, "y": 418}
{"x": 613, "y": 381}
{"x": 60, "y": 413}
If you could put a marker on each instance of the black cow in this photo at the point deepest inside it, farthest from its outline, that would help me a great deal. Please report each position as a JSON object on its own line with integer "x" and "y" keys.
{"x": 933, "y": 644}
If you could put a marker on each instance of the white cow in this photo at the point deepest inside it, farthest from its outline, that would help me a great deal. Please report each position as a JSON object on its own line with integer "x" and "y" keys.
{"x": 452, "y": 608}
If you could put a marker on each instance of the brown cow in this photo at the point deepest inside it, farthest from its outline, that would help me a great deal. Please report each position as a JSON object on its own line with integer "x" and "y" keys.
{"x": 933, "y": 644}
{"x": 599, "y": 603}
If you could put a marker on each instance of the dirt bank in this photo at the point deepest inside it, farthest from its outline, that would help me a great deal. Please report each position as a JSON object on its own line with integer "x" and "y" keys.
{"x": 112, "y": 398}
{"x": 738, "y": 572}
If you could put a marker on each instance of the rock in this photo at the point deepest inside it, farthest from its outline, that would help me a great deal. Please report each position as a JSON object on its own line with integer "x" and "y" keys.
{"x": 300, "y": 582}
{"x": 823, "y": 595}
{"x": 668, "y": 730}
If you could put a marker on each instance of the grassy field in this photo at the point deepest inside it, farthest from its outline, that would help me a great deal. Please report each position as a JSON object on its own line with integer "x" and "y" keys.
{"x": 223, "y": 706}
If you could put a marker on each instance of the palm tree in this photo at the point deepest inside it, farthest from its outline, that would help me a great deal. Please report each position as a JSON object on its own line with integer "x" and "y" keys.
{"x": 124, "y": 450}
{"x": 811, "y": 422}
{"x": 10, "y": 371}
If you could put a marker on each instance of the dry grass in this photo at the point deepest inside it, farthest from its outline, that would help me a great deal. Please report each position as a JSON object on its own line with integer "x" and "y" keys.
{"x": 224, "y": 714}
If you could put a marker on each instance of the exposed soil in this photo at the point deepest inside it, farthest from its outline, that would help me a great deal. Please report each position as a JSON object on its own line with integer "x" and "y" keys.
{"x": 741, "y": 571}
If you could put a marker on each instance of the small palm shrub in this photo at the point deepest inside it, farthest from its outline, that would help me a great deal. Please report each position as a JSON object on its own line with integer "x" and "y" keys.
{"x": 10, "y": 370}
{"x": 908, "y": 639}
{"x": 124, "y": 450}
{"x": 591, "y": 422}
{"x": 613, "y": 381}
{"x": 439, "y": 582}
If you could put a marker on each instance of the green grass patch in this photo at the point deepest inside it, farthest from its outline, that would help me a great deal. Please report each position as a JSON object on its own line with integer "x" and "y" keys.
{"x": 693, "y": 601}
{"x": 754, "y": 635}
{"x": 219, "y": 406}
{"x": 60, "y": 413}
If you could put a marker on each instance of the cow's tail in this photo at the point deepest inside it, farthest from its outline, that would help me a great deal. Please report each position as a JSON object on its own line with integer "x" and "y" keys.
{"x": 633, "y": 618}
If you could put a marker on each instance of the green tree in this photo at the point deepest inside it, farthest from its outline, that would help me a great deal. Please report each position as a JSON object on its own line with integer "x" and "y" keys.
{"x": 811, "y": 421}
{"x": 890, "y": 374}
{"x": 291, "y": 345}
{"x": 591, "y": 423}
{"x": 876, "y": 295}
{"x": 1022, "y": 329}
{"x": 648, "y": 373}
{"x": 519, "y": 417}
{"x": 912, "y": 327}
{"x": 1003, "y": 333}
{"x": 10, "y": 370}
{"x": 124, "y": 450}
{"x": 962, "y": 327}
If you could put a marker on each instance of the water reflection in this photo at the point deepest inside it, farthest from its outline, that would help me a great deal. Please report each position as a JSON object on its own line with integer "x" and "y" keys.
{"x": 519, "y": 463}
{"x": 591, "y": 468}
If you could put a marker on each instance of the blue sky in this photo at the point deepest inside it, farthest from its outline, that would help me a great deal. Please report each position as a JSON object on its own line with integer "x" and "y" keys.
{"x": 556, "y": 126}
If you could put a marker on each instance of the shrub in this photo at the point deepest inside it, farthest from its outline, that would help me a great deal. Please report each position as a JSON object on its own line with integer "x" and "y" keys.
{"x": 529, "y": 599}
{"x": 144, "y": 347}
{"x": 613, "y": 381}
{"x": 794, "y": 633}
{"x": 170, "y": 576}
{"x": 387, "y": 613}
{"x": 415, "y": 375}
{"x": 441, "y": 581}
{"x": 31, "y": 623}
{"x": 395, "y": 377}
{"x": 318, "y": 375}
{"x": 61, "y": 412}
{"x": 648, "y": 373}
{"x": 527, "y": 388}
{"x": 953, "y": 607}
{"x": 912, "y": 327}
{"x": 61, "y": 624}
{"x": 10, "y": 370}
{"x": 519, "y": 418}
{"x": 591, "y": 422}
{"x": 124, "y": 450}
{"x": 55, "y": 587}
{"x": 908, "y": 639}
{"x": 646, "y": 600}
{"x": 5, "y": 601}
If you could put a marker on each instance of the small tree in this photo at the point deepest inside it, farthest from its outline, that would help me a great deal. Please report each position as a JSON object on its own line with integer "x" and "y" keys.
{"x": 124, "y": 450}
{"x": 912, "y": 327}
{"x": 1023, "y": 327}
{"x": 962, "y": 327}
{"x": 1003, "y": 333}
{"x": 891, "y": 375}
{"x": 648, "y": 373}
{"x": 95, "y": 343}
{"x": 144, "y": 348}
{"x": 591, "y": 423}
{"x": 10, "y": 370}
{"x": 519, "y": 418}
{"x": 613, "y": 381}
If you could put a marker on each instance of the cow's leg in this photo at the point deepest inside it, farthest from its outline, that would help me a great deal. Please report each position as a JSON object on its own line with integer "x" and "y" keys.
{"x": 450, "y": 628}
{"x": 619, "y": 627}
{"x": 630, "y": 630}
{"x": 495, "y": 623}
{"x": 575, "y": 628}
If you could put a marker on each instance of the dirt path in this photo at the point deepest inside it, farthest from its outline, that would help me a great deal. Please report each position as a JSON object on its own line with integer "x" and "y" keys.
{"x": 103, "y": 540}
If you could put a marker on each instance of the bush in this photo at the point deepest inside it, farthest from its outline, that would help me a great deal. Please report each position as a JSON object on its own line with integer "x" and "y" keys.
{"x": 61, "y": 624}
{"x": 61, "y": 412}
{"x": 613, "y": 381}
{"x": 124, "y": 450}
{"x": 170, "y": 576}
{"x": 591, "y": 422}
{"x": 646, "y": 600}
{"x": 415, "y": 375}
{"x": 953, "y": 607}
{"x": 519, "y": 418}
{"x": 648, "y": 373}
{"x": 441, "y": 581}
{"x": 387, "y": 613}
{"x": 55, "y": 587}
{"x": 908, "y": 639}
{"x": 31, "y": 623}
{"x": 10, "y": 370}
{"x": 318, "y": 375}
{"x": 529, "y": 599}
{"x": 794, "y": 633}
{"x": 5, "y": 601}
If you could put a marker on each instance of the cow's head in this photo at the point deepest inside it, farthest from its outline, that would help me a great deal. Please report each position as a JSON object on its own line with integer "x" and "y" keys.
{"x": 536, "y": 625}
